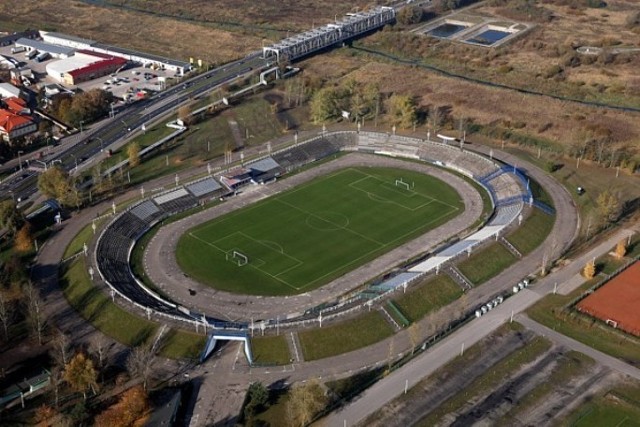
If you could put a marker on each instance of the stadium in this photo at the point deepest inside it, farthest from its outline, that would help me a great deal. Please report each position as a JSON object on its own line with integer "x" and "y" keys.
{"x": 276, "y": 256}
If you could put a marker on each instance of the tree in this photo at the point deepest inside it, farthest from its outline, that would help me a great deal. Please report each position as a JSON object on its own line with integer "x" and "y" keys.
{"x": 402, "y": 110}
{"x": 621, "y": 248}
{"x": 24, "y": 239}
{"x": 609, "y": 205}
{"x": 131, "y": 407}
{"x": 435, "y": 118}
{"x": 10, "y": 218}
{"x": 56, "y": 378}
{"x": 257, "y": 397}
{"x": 35, "y": 314}
{"x": 305, "y": 401}
{"x": 56, "y": 183}
{"x": 61, "y": 349}
{"x": 133, "y": 151}
{"x": 410, "y": 15}
{"x": 589, "y": 270}
{"x": 184, "y": 114}
{"x": 99, "y": 348}
{"x": 324, "y": 105}
{"x": 44, "y": 413}
{"x": 139, "y": 363}
{"x": 80, "y": 374}
{"x": 6, "y": 313}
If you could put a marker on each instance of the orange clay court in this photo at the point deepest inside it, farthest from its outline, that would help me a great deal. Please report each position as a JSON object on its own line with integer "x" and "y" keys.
{"x": 617, "y": 301}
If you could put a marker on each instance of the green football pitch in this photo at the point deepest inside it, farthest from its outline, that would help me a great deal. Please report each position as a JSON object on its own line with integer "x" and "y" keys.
{"x": 303, "y": 238}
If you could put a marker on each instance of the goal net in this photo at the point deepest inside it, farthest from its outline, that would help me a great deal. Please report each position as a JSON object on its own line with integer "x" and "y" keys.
{"x": 405, "y": 185}
{"x": 237, "y": 257}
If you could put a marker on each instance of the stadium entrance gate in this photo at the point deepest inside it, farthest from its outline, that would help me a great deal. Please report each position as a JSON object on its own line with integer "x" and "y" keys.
{"x": 222, "y": 335}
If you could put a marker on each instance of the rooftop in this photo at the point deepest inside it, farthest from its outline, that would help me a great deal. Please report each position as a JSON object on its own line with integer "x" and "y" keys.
{"x": 10, "y": 121}
{"x": 68, "y": 37}
{"x": 152, "y": 57}
{"x": 45, "y": 47}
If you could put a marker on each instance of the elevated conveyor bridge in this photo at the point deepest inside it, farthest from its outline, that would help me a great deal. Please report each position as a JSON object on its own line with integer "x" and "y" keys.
{"x": 353, "y": 25}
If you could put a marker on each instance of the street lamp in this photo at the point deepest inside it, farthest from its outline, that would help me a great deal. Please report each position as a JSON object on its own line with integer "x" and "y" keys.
{"x": 43, "y": 163}
{"x": 101, "y": 143}
{"x": 76, "y": 161}
{"x": 19, "y": 159}
{"x": 81, "y": 123}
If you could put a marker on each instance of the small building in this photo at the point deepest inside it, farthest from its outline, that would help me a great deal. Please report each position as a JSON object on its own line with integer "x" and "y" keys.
{"x": 8, "y": 39}
{"x": 16, "y": 106}
{"x": 7, "y": 90}
{"x": 54, "y": 50}
{"x": 14, "y": 125}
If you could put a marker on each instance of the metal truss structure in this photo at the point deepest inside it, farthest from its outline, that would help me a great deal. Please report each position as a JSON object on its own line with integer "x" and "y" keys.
{"x": 353, "y": 25}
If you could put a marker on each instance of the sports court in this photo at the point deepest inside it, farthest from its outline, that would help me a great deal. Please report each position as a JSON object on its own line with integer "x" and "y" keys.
{"x": 302, "y": 239}
{"x": 618, "y": 301}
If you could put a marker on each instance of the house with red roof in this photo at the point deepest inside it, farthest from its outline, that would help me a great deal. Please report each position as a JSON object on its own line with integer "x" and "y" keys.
{"x": 14, "y": 120}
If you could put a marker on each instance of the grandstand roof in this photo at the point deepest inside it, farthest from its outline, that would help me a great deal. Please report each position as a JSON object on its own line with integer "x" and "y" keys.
{"x": 264, "y": 165}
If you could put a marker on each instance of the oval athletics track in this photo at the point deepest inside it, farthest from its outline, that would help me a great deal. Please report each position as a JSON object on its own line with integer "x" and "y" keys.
{"x": 162, "y": 268}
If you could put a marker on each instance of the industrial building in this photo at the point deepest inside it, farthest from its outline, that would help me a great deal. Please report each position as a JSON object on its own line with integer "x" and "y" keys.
{"x": 59, "y": 39}
{"x": 84, "y": 66}
{"x": 36, "y": 45}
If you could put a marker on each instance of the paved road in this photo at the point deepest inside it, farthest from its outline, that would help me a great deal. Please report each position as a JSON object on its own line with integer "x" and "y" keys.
{"x": 604, "y": 359}
{"x": 393, "y": 385}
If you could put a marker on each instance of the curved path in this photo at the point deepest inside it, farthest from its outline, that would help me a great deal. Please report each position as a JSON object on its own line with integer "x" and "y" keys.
{"x": 163, "y": 270}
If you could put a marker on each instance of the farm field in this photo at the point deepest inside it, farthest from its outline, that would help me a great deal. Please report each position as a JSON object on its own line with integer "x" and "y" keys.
{"x": 304, "y": 238}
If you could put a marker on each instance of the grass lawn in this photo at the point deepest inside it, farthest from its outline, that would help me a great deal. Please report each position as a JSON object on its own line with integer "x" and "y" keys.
{"x": 427, "y": 296}
{"x": 618, "y": 407}
{"x": 549, "y": 311}
{"x": 117, "y": 323}
{"x": 345, "y": 336}
{"x": 486, "y": 263}
{"x": 270, "y": 350}
{"x": 84, "y": 236}
{"x": 302, "y": 239}
{"x": 533, "y": 231}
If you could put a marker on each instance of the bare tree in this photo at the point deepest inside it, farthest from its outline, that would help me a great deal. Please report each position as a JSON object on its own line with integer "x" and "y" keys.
{"x": 6, "y": 314}
{"x": 139, "y": 363}
{"x": 99, "y": 347}
{"x": 414, "y": 335}
{"x": 35, "y": 315}
{"x": 56, "y": 378}
{"x": 61, "y": 348}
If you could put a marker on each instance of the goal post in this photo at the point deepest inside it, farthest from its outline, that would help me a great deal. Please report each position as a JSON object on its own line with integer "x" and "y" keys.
{"x": 238, "y": 257}
{"x": 401, "y": 183}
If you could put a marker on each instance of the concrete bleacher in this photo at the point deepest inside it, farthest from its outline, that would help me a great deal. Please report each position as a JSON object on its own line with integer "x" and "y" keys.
{"x": 204, "y": 187}
{"x": 145, "y": 210}
{"x": 176, "y": 201}
{"x": 308, "y": 152}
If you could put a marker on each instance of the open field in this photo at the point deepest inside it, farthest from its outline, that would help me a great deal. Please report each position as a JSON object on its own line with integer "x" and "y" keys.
{"x": 425, "y": 297}
{"x": 270, "y": 350}
{"x": 343, "y": 337}
{"x": 485, "y": 263}
{"x": 304, "y": 238}
{"x": 617, "y": 301}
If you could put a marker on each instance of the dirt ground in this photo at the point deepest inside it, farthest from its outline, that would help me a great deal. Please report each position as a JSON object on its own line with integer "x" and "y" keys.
{"x": 542, "y": 391}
